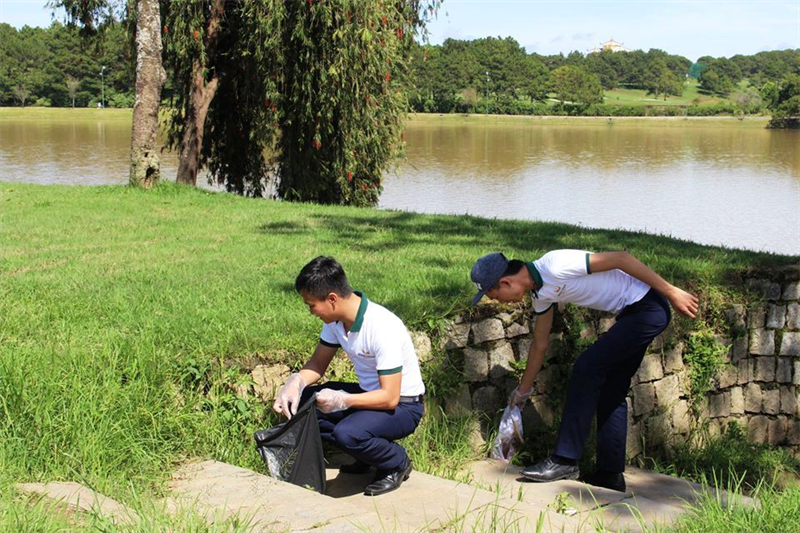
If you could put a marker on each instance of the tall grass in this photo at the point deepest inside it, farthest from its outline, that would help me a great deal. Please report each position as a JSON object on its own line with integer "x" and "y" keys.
{"x": 127, "y": 317}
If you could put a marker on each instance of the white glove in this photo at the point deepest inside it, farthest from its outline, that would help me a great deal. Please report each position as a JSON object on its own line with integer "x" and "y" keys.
{"x": 518, "y": 398}
{"x": 330, "y": 400}
{"x": 288, "y": 399}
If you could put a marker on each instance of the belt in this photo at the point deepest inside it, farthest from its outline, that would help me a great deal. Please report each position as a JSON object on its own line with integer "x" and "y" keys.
{"x": 411, "y": 399}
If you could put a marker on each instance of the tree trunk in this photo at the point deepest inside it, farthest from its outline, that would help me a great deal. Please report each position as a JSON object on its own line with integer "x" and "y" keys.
{"x": 201, "y": 93}
{"x": 150, "y": 77}
{"x": 200, "y": 98}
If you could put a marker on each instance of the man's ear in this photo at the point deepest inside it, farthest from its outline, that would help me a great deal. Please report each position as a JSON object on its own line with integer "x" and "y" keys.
{"x": 332, "y": 298}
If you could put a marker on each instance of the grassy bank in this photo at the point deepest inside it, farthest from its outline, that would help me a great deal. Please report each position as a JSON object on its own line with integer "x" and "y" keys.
{"x": 126, "y": 317}
{"x": 554, "y": 120}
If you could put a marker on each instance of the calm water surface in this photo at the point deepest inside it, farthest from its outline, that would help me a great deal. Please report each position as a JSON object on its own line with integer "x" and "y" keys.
{"x": 725, "y": 184}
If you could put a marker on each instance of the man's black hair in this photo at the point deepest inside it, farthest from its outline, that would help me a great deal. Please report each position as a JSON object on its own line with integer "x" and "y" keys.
{"x": 322, "y": 276}
{"x": 514, "y": 266}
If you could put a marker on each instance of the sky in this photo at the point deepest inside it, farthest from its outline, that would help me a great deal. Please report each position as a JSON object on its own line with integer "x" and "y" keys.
{"x": 691, "y": 28}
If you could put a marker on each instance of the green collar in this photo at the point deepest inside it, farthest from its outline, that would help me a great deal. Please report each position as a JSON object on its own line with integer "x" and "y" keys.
{"x": 537, "y": 278}
{"x": 362, "y": 308}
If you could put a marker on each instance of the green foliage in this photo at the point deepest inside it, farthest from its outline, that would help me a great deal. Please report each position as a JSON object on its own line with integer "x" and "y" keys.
{"x": 776, "y": 512}
{"x": 575, "y": 85}
{"x": 660, "y": 80}
{"x": 784, "y": 101}
{"x": 42, "y": 60}
{"x": 730, "y": 459}
{"x": 704, "y": 355}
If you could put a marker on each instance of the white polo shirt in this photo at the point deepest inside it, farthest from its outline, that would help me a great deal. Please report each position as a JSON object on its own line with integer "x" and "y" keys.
{"x": 378, "y": 344}
{"x": 565, "y": 276}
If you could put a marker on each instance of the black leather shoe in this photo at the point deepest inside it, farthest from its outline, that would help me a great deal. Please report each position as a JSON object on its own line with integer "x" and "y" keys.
{"x": 355, "y": 468}
{"x": 550, "y": 470}
{"x": 388, "y": 480}
{"x": 607, "y": 480}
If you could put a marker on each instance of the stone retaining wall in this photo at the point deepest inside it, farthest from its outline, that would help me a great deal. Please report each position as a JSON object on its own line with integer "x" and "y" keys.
{"x": 757, "y": 386}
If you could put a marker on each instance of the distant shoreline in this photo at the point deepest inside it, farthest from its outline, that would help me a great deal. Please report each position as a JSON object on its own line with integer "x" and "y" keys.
{"x": 748, "y": 120}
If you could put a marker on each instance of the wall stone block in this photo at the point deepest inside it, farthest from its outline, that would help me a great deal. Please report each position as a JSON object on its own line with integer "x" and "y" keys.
{"x": 791, "y": 291}
{"x": 515, "y": 330}
{"x": 735, "y": 316}
{"x": 756, "y": 316}
{"x": 668, "y": 390}
{"x": 658, "y": 428}
{"x": 553, "y": 345}
{"x": 737, "y": 401}
{"x": 524, "y": 347}
{"x": 681, "y": 417}
{"x": 485, "y": 400}
{"x": 744, "y": 370}
{"x": 783, "y": 372}
{"x": 793, "y": 316}
{"x": 500, "y": 359}
{"x": 793, "y": 432}
{"x": 757, "y": 429}
{"x": 727, "y": 376}
{"x": 487, "y": 330}
{"x": 790, "y": 401}
{"x": 545, "y": 379}
{"x": 796, "y": 376}
{"x": 459, "y": 403}
{"x": 508, "y": 318}
{"x": 644, "y": 400}
{"x": 765, "y": 369}
{"x": 476, "y": 364}
{"x": 651, "y": 368}
{"x": 752, "y": 398}
{"x": 776, "y": 430}
{"x": 422, "y": 345}
{"x": 738, "y": 349}
{"x": 673, "y": 359}
{"x": 762, "y": 342}
{"x": 536, "y": 413}
{"x": 776, "y": 316}
{"x": 457, "y": 336}
{"x": 719, "y": 405}
{"x": 766, "y": 288}
{"x": 790, "y": 344}
{"x": 633, "y": 445}
{"x": 605, "y": 324}
{"x": 771, "y": 401}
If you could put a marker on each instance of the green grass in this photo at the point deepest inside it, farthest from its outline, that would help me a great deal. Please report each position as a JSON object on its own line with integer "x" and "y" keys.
{"x": 64, "y": 113}
{"x": 691, "y": 92}
{"x": 127, "y": 316}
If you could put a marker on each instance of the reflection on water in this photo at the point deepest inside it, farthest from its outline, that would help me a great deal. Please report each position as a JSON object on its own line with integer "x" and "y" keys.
{"x": 710, "y": 183}
{"x": 714, "y": 184}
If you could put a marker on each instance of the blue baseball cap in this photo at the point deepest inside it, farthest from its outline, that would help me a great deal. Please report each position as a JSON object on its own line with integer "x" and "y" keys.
{"x": 486, "y": 273}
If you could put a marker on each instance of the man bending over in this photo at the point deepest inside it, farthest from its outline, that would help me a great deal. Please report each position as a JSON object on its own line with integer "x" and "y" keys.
{"x": 615, "y": 282}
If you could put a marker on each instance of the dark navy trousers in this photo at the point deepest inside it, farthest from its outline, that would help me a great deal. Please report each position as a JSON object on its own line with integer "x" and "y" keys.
{"x": 600, "y": 381}
{"x": 365, "y": 434}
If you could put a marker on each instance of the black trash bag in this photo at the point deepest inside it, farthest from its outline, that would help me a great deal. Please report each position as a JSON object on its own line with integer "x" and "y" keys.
{"x": 292, "y": 451}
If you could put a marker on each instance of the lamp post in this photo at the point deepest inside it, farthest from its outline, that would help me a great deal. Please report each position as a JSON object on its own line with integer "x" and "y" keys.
{"x": 487, "y": 91}
{"x": 103, "y": 85}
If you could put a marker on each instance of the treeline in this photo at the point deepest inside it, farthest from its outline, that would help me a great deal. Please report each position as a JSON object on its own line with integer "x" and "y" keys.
{"x": 57, "y": 67}
{"x": 498, "y": 75}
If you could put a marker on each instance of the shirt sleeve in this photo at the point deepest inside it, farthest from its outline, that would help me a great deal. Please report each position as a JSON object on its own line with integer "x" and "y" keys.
{"x": 388, "y": 349}
{"x": 568, "y": 264}
{"x": 328, "y": 337}
{"x": 540, "y": 307}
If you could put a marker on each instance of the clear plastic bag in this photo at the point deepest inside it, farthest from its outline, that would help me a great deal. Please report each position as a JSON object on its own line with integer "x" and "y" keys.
{"x": 509, "y": 434}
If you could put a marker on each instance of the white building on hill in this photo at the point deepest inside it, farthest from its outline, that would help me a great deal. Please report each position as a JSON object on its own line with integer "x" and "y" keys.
{"x": 612, "y": 45}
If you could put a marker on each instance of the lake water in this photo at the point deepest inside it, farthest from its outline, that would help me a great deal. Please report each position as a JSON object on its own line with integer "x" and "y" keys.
{"x": 714, "y": 183}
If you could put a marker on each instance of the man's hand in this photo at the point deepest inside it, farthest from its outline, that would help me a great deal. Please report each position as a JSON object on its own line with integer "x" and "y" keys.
{"x": 288, "y": 399}
{"x": 330, "y": 401}
{"x": 683, "y": 302}
{"x": 518, "y": 398}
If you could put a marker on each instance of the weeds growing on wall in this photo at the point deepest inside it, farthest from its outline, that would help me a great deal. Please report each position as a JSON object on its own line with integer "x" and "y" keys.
{"x": 704, "y": 355}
